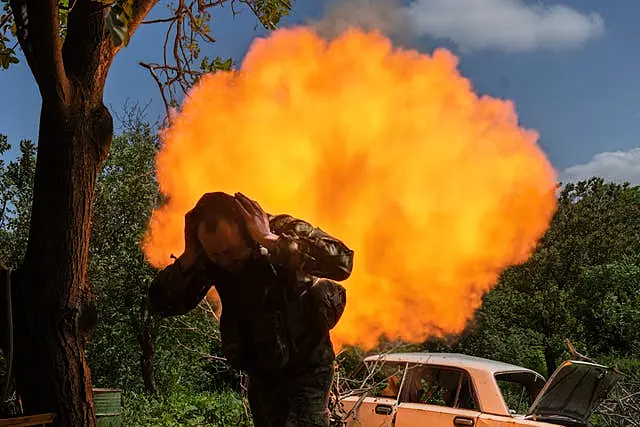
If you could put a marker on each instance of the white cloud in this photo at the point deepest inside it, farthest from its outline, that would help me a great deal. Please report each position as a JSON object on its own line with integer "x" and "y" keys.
{"x": 617, "y": 166}
{"x": 509, "y": 25}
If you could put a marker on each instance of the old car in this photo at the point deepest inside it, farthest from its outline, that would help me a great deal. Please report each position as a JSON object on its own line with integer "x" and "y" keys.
{"x": 439, "y": 389}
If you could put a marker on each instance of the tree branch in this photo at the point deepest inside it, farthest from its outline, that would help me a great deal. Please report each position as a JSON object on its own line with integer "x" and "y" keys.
{"x": 159, "y": 20}
{"x": 88, "y": 50}
{"x": 38, "y": 29}
{"x": 160, "y": 87}
{"x": 5, "y": 19}
{"x": 141, "y": 8}
{"x": 188, "y": 26}
{"x": 188, "y": 22}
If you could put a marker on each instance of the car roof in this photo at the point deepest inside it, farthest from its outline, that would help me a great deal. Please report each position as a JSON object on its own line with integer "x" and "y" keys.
{"x": 449, "y": 359}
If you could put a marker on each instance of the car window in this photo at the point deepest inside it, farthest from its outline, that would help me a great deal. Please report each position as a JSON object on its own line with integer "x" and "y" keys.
{"x": 519, "y": 390}
{"x": 435, "y": 385}
{"x": 378, "y": 379}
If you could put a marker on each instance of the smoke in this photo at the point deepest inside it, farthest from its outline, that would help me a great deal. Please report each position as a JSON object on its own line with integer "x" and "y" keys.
{"x": 386, "y": 16}
{"x": 502, "y": 25}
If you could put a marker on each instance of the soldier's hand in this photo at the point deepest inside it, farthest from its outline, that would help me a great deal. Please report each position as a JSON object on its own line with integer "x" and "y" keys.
{"x": 256, "y": 219}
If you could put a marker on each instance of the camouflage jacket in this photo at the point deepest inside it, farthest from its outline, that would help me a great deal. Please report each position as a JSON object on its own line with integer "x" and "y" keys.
{"x": 319, "y": 255}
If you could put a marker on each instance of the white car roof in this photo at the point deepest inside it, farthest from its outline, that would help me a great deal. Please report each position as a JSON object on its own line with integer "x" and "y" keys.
{"x": 451, "y": 360}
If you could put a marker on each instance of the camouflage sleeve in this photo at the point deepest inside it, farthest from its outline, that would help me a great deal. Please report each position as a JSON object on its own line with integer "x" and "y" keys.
{"x": 174, "y": 292}
{"x": 318, "y": 254}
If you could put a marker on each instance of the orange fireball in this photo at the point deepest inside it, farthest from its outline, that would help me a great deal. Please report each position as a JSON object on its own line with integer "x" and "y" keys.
{"x": 436, "y": 189}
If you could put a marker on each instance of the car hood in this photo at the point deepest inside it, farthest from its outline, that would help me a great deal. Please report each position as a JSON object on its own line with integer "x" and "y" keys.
{"x": 573, "y": 391}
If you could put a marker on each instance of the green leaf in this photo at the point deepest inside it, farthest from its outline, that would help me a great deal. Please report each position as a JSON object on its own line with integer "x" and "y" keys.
{"x": 217, "y": 64}
{"x": 8, "y": 28}
{"x": 270, "y": 12}
{"x": 63, "y": 12}
{"x": 118, "y": 20}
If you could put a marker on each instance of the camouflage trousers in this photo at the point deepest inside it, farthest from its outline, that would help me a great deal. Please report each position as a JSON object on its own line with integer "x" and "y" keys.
{"x": 291, "y": 401}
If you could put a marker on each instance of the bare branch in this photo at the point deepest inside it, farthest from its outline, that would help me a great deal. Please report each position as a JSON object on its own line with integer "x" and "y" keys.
{"x": 159, "y": 20}
{"x": 344, "y": 387}
{"x": 209, "y": 309}
{"x": 141, "y": 8}
{"x": 187, "y": 28}
{"x": 5, "y": 19}
{"x": 159, "y": 83}
{"x": 622, "y": 407}
{"x": 202, "y": 5}
{"x": 166, "y": 42}
{"x": 176, "y": 41}
{"x": 202, "y": 354}
{"x": 206, "y": 36}
{"x": 253, "y": 9}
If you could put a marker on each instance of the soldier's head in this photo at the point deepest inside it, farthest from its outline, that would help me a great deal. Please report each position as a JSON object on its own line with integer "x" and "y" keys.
{"x": 221, "y": 230}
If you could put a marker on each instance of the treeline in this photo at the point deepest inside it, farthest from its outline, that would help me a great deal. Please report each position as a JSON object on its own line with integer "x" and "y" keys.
{"x": 581, "y": 283}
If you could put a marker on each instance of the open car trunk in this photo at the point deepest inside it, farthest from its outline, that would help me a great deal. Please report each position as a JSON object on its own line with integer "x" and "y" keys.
{"x": 572, "y": 393}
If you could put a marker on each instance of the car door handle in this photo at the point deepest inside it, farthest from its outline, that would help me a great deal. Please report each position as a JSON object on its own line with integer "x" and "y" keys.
{"x": 463, "y": 422}
{"x": 384, "y": 409}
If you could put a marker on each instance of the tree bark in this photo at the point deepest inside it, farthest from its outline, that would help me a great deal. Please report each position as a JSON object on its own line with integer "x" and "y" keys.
{"x": 147, "y": 341}
{"x": 54, "y": 308}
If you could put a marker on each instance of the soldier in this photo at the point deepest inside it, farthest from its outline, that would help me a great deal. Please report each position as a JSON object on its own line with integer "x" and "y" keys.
{"x": 276, "y": 277}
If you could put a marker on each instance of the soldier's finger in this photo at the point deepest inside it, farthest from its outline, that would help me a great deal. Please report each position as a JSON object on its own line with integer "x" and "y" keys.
{"x": 244, "y": 208}
{"x": 257, "y": 207}
{"x": 254, "y": 204}
{"x": 246, "y": 203}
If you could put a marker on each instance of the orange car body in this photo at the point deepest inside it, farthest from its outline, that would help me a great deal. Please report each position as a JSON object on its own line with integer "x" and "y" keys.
{"x": 444, "y": 390}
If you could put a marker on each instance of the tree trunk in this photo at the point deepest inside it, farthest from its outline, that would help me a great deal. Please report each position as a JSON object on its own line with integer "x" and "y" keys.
{"x": 54, "y": 307}
{"x": 550, "y": 360}
{"x": 147, "y": 341}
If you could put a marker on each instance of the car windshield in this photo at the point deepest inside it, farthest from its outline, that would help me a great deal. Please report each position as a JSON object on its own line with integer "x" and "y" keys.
{"x": 519, "y": 390}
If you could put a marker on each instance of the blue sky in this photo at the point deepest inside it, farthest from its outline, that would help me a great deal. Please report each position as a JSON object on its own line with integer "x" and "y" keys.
{"x": 571, "y": 66}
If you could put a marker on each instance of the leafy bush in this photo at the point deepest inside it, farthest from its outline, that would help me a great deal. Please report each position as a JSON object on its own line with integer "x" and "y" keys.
{"x": 183, "y": 407}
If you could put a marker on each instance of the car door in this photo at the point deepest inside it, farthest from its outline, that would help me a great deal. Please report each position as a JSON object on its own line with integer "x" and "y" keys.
{"x": 437, "y": 397}
{"x": 376, "y": 390}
